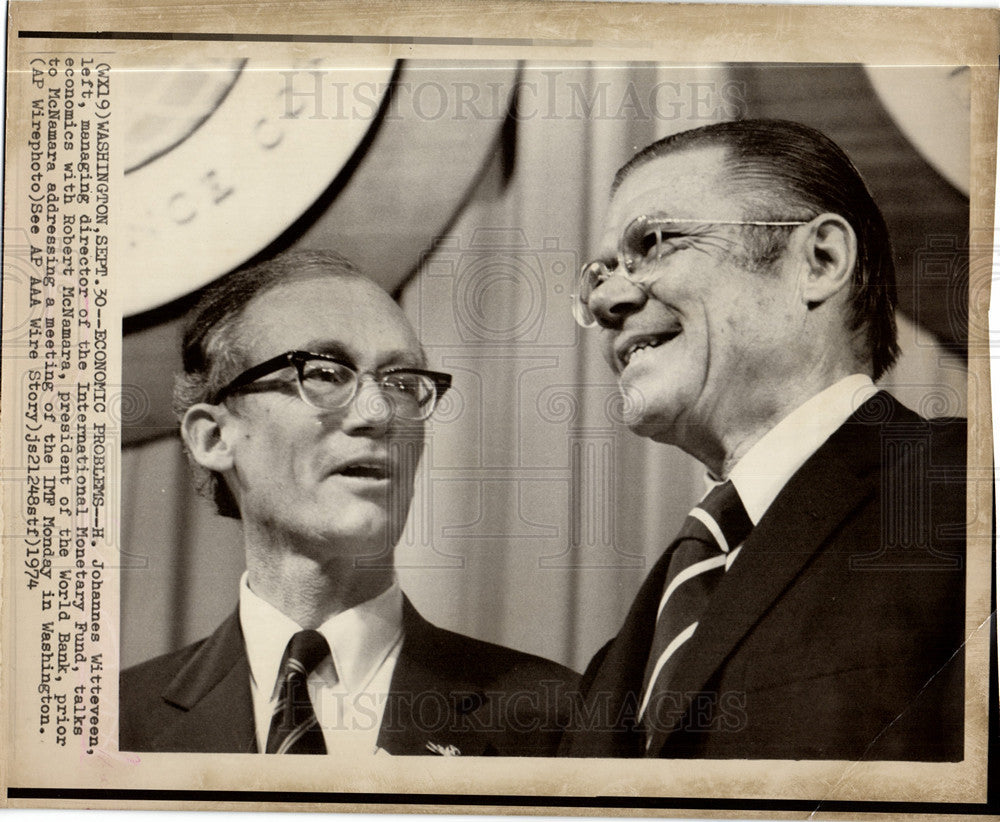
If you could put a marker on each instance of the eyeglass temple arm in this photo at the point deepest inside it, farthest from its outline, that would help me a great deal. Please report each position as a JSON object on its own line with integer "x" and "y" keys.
{"x": 255, "y": 373}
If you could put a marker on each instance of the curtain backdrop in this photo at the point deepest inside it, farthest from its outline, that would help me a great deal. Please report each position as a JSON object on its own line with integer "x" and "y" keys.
{"x": 537, "y": 514}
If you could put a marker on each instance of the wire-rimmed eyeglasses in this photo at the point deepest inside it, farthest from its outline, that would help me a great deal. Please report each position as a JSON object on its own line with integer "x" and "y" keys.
{"x": 329, "y": 383}
{"x": 646, "y": 240}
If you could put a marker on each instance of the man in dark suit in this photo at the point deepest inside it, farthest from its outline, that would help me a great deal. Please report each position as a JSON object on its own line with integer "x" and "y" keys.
{"x": 302, "y": 408}
{"x": 813, "y": 605}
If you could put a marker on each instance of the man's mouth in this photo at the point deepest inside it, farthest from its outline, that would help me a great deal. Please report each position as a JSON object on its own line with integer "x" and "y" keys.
{"x": 639, "y": 347}
{"x": 364, "y": 469}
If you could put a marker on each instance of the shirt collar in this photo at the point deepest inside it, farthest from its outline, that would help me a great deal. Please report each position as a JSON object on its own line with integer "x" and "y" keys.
{"x": 359, "y": 638}
{"x": 764, "y": 470}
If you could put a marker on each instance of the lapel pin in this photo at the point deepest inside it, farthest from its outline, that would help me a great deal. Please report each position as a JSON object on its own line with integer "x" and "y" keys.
{"x": 443, "y": 750}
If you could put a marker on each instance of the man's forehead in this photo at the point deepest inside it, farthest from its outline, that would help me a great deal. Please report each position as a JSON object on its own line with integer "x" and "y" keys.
{"x": 685, "y": 183}
{"x": 344, "y": 315}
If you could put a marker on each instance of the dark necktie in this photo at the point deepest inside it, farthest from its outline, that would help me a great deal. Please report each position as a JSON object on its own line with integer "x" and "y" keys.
{"x": 294, "y": 728}
{"x": 713, "y": 528}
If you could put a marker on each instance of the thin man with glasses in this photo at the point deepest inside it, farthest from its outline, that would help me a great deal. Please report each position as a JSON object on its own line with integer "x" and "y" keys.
{"x": 813, "y": 604}
{"x": 302, "y": 407}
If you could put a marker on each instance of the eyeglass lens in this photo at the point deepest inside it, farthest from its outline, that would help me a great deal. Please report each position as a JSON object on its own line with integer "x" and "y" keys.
{"x": 642, "y": 242}
{"x": 333, "y": 385}
{"x": 645, "y": 240}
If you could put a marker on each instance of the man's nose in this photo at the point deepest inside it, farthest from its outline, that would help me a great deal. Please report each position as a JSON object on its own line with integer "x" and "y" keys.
{"x": 614, "y": 299}
{"x": 370, "y": 412}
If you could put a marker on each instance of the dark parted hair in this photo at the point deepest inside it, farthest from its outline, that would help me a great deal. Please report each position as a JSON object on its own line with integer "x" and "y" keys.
{"x": 786, "y": 169}
{"x": 212, "y": 348}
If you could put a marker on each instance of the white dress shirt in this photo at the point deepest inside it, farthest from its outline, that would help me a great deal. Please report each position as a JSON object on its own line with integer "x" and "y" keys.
{"x": 349, "y": 688}
{"x": 767, "y": 467}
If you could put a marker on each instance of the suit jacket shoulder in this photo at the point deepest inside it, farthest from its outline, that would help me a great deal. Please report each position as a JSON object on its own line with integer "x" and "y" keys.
{"x": 194, "y": 699}
{"x": 453, "y": 693}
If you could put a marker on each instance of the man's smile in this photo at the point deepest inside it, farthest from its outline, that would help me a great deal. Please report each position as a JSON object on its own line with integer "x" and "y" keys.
{"x": 635, "y": 347}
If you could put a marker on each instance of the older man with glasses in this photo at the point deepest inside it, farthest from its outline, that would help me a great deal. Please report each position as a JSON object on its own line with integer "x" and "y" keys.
{"x": 302, "y": 407}
{"x": 812, "y": 606}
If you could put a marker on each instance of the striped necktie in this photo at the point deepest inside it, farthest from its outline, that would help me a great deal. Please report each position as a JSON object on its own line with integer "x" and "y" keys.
{"x": 713, "y": 528}
{"x": 294, "y": 728}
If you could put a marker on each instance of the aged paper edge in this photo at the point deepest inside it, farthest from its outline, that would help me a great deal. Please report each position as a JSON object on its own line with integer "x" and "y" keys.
{"x": 611, "y": 32}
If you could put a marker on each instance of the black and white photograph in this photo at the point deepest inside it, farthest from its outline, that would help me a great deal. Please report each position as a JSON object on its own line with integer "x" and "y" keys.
{"x": 545, "y": 492}
{"x": 616, "y": 416}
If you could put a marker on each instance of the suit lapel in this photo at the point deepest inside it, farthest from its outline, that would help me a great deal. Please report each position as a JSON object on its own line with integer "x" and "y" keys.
{"x": 832, "y": 483}
{"x": 212, "y": 692}
{"x": 430, "y": 702}
{"x": 604, "y": 724}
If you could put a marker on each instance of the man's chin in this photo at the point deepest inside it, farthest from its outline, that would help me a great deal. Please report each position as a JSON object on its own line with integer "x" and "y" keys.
{"x": 643, "y": 418}
{"x": 348, "y": 500}
{"x": 368, "y": 527}
{"x": 655, "y": 430}
{"x": 352, "y": 524}
{"x": 359, "y": 541}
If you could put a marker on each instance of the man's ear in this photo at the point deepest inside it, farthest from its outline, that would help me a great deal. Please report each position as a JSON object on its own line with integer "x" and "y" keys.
{"x": 204, "y": 428}
{"x": 831, "y": 251}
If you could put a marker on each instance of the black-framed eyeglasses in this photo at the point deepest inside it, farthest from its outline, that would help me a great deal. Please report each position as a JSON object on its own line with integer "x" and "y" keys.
{"x": 646, "y": 240}
{"x": 329, "y": 383}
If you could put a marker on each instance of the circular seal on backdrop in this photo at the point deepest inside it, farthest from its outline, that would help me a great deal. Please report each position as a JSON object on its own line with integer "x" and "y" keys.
{"x": 222, "y": 156}
{"x": 919, "y": 100}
